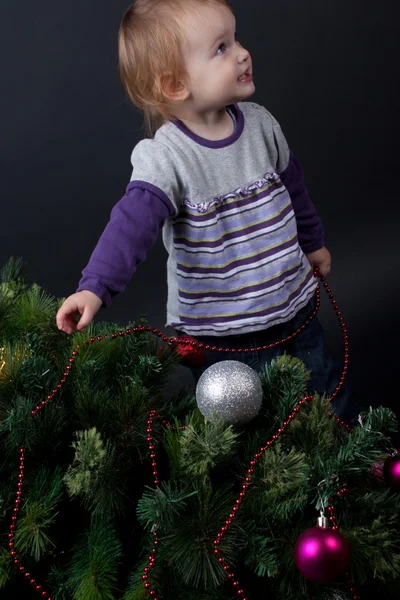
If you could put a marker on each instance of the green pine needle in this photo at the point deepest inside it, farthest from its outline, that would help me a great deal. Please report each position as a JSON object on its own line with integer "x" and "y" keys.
{"x": 6, "y": 567}
{"x": 89, "y": 456}
{"x": 93, "y": 571}
{"x": 203, "y": 447}
{"x": 162, "y": 506}
{"x": 31, "y": 537}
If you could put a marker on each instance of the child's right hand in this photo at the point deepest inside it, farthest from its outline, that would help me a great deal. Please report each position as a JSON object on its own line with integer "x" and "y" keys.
{"x": 83, "y": 303}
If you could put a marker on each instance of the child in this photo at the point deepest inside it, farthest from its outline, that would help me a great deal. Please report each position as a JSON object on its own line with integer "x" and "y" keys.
{"x": 219, "y": 180}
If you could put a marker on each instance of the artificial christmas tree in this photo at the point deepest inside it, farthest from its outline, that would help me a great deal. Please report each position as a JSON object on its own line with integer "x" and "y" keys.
{"x": 110, "y": 488}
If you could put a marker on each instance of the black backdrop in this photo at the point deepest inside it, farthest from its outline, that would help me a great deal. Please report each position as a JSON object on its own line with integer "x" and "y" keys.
{"x": 328, "y": 71}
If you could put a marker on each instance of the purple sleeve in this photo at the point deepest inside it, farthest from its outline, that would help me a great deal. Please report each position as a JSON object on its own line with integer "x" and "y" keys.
{"x": 309, "y": 227}
{"x": 134, "y": 225}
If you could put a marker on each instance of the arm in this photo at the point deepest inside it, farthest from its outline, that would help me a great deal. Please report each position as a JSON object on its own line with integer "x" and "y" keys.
{"x": 133, "y": 228}
{"x": 134, "y": 225}
{"x": 309, "y": 226}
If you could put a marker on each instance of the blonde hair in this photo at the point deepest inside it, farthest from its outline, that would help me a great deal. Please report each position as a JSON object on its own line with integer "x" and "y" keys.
{"x": 150, "y": 42}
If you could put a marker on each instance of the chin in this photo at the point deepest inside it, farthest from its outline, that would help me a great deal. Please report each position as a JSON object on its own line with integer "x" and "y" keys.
{"x": 248, "y": 94}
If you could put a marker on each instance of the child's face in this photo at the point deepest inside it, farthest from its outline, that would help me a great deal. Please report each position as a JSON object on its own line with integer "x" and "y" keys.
{"x": 215, "y": 60}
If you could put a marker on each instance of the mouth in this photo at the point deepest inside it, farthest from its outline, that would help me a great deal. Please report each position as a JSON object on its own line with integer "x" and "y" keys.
{"x": 246, "y": 77}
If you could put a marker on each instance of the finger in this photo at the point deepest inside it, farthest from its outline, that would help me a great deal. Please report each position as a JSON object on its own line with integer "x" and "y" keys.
{"x": 85, "y": 319}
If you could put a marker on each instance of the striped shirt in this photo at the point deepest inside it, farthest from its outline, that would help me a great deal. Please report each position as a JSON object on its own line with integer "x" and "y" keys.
{"x": 236, "y": 221}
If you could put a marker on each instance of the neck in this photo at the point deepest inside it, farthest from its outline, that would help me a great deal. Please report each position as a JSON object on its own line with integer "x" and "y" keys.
{"x": 210, "y": 124}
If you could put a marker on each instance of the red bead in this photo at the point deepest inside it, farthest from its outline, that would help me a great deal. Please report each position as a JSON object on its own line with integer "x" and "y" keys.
{"x": 147, "y": 585}
{"x": 38, "y": 588}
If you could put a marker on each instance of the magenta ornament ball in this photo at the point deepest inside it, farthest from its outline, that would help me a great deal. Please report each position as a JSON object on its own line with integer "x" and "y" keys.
{"x": 391, "y": 472}
{"x": 321, "y": 554}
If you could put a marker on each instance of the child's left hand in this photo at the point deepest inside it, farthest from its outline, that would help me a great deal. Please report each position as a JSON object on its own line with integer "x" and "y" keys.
{"x": 322, "y": 259}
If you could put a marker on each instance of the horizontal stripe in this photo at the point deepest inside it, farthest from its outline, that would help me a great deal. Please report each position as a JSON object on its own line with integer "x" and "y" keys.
{"x": 267, "y": 286}
{"x": 247, "y": 304}
{"x": 246, "y": 313}
{"x": 231, "y": 264}
{"x": 239, "y": 242}
{"x": 244, "y": 274}
{"x": 247, "y": 324}
{"x": 238, "y": 249}
{"x": 268, "y": 223}
{"x": 258, "y": 210}
{"x": 225, "y": 203}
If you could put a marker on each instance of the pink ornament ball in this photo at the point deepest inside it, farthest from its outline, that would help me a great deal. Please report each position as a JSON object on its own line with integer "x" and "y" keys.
{"x": 321, "y": 554}
{"x": 391, "y": 472}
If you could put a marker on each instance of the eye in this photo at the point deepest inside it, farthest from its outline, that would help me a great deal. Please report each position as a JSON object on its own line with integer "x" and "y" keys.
{"x": 220, "y": 47}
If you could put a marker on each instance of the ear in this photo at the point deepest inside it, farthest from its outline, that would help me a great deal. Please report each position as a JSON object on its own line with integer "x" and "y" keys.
{"x": 175, "y": 91}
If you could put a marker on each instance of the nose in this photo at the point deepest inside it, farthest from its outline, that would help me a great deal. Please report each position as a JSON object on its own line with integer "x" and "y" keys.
{"x": 243, "y": 54}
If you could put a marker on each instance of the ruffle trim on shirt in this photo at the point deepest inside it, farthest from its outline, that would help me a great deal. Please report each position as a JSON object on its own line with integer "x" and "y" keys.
{"x": 248, "y": 190}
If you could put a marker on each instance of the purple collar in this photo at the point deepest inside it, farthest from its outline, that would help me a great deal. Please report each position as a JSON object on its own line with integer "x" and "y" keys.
{"x": 216, "y": 143}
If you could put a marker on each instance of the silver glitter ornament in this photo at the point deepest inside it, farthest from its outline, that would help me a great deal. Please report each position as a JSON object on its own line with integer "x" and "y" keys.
{"x": 230, "y": 390}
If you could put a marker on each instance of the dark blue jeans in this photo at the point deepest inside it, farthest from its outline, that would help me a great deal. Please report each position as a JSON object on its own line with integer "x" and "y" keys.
{"x": 308, "y": 345}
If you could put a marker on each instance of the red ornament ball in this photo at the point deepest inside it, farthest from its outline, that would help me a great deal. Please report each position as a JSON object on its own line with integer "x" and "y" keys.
{"x": 321, "y": 554}
{"x": 391, "y": 472}
{"x": 191, "y": 355}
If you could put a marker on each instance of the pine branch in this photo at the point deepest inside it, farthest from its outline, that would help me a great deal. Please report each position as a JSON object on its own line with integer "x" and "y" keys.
{"x": 284, "y": 381}
{"x": 14, "y": 271}
{"x": 17, "y": 427}
{"x": 189, "y": 545}
{"x": 58, "y": 582}
{"x": 38, "y": 515}
{"x": 89, "y": 455}
{"x": 93, "y": 569}
{"x": 262, "y": 555}
{"x": 96, "y": 475}
{"x": 279, "y": 484}
{"x": 33, "y": 311}
{"x": 162, "y": 506}
{"x": 376, "y": 549}
{"x": 313, "y": 430}
{"x": 7, "y": 572}
{"x": 205, "y": 446}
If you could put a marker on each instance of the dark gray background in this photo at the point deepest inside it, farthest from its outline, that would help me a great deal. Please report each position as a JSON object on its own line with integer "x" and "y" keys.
{"x": 329, "y": 73}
